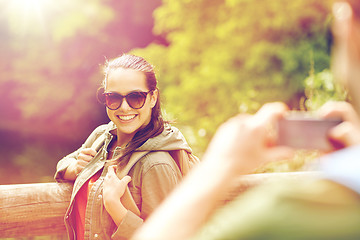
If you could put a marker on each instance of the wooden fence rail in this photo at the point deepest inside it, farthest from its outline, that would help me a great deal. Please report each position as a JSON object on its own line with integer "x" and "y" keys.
{"x": 33, "y": 209}
{"x": 38, "y": 209}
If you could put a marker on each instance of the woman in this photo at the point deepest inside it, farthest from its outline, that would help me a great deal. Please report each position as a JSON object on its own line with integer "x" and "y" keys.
{"x": 136, "y": 142}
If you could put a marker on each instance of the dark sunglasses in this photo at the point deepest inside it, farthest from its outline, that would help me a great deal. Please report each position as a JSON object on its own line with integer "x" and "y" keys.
{"x": 114, "y": 100}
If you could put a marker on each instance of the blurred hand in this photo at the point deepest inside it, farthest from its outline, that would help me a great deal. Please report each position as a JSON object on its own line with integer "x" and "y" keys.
{"x": 85, "y": 156}
{"x": 348, "y": 132}
{"x": 113, "y": 189}
{"x": 248, "y": 141}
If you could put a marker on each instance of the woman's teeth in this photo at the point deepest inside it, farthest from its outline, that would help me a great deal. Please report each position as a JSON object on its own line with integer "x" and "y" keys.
{"x": 127, "y": 117}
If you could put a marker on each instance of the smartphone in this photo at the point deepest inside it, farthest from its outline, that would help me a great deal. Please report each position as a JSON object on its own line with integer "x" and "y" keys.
{"x": 305, "y": 132}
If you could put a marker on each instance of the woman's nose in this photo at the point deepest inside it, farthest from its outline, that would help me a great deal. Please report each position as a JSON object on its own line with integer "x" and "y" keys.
{"x": 124, "y": 105}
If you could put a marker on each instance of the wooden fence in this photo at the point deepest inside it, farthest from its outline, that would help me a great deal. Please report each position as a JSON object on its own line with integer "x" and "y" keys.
{"x": 38, "y": 209}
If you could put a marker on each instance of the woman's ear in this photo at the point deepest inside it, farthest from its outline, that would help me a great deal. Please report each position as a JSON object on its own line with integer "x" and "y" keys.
{"x": 154, "y": 98}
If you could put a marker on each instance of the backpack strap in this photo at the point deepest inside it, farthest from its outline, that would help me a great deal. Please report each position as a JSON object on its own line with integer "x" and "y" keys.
{"x": 184, "y": 160}
{"x": 99, "y": 142}
{"x": 127, "y": 199}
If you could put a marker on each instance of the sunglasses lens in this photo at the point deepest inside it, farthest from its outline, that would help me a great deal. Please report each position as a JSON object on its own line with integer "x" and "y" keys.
{"x": 136, "y": 99}
{"x": 113, "y": 101}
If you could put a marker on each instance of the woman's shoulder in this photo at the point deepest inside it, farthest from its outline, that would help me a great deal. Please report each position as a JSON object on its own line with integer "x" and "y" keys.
{"x": 170, "y": 139}
{"x": 156, "y": 159}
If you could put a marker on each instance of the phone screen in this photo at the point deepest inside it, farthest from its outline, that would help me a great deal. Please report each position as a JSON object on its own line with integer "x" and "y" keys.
{"x": 306, "y": 132}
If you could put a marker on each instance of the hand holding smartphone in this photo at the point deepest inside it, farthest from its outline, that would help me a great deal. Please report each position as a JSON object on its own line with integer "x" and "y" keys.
{"x": 306, "y": 132}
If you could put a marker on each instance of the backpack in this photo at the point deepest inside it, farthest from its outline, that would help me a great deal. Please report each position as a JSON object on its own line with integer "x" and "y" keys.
{"x": 184, "y": 160}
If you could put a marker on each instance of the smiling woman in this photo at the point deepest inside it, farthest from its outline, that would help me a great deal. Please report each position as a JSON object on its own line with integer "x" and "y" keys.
{"x": 137, "y": 145}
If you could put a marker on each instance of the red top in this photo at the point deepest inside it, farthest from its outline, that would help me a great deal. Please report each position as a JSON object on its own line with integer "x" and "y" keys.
{"x": 80, "y": 205}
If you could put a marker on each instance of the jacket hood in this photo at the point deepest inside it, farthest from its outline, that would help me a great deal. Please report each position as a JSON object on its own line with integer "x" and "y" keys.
{"x": 170, "y": 139}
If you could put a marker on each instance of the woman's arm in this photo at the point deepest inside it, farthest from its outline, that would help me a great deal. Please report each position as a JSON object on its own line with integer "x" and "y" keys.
{"x": 79, "y": 163}
{"x": 70, "y": 166}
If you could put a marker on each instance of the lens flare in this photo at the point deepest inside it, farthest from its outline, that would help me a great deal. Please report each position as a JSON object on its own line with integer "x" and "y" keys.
{"x": 25, "y": 16}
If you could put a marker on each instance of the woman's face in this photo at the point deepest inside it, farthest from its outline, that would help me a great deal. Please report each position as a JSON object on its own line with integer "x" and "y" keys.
{"x": 129, "y": 120}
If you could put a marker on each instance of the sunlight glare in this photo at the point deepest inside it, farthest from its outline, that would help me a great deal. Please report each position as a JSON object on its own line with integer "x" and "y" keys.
{"x": 29, "y": 7}
{"x": 28, "y": 15}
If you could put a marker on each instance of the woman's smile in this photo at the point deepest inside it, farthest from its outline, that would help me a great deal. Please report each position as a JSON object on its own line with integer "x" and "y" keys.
{"x": 126, "y": 117}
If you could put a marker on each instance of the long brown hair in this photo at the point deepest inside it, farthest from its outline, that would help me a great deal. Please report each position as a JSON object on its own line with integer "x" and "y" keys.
{"x": 156, "y": 125}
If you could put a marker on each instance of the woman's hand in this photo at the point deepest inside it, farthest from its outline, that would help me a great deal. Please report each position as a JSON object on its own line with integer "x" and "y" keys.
{"x": 113, "y": 189}
{"x": 85, "y": 156}
{"x": 248, "y": 141}
{"x": 346, "y": 133}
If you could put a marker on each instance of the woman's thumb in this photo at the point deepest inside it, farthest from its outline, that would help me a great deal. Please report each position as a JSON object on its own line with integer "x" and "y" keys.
{"x": 126, "y": 179}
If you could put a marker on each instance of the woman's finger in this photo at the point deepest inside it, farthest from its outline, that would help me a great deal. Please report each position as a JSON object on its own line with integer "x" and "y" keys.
{"x": 84, "y": 157}
{"x": 89, "y": 151}
{"x": 126, "y": 179}
{"x": 82, "y": 163}
{"x": 112, "y": 170}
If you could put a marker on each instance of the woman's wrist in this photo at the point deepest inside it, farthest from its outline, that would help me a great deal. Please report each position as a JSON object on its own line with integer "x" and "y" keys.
{"x": 116, "y": 210}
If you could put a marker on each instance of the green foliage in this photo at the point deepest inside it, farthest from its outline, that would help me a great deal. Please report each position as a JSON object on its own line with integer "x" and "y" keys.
{"x": 229, "y": 56}
{"x": 222, "y": 57}
{"x": 321, "y": 88}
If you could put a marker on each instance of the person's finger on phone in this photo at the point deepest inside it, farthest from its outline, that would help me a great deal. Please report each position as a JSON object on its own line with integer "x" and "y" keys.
{"x": 270, "y": 113}
{"x": 346, "y": 134}
{"x": 266, "y": 119}
{"x": 341, "y": 110}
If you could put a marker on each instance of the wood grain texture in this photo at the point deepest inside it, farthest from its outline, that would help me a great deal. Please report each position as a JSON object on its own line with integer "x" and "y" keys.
{"x": 33, "y": 209}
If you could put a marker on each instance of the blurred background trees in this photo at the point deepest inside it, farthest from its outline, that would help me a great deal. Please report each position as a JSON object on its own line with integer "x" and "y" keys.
{"x": 229, "y": 56}
{"x": 213, "y": 59}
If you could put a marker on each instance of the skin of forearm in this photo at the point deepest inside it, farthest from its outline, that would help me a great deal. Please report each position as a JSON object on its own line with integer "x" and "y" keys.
{"x": 116, "y": 210}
